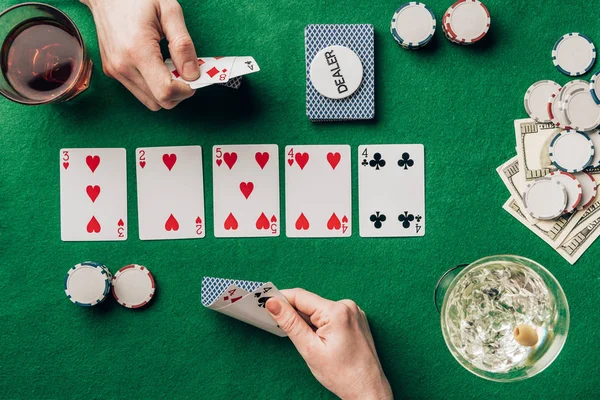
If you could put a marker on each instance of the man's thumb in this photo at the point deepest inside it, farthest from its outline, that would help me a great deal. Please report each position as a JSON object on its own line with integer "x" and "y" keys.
{"x": 290, "y": 322}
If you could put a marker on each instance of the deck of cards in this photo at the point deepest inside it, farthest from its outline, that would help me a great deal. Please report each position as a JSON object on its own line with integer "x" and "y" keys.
{"x": 225, "y": 71}
{"x": 242, "y": 300}
{"x": 246, "y": 192}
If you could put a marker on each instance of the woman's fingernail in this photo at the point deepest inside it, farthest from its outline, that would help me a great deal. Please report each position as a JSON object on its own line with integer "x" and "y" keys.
{"x": 191, "y": 70}
{"x": 274, "y": 306}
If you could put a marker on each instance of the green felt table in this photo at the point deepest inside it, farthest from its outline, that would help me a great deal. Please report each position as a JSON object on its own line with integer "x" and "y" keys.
{"x": 458, "y": 101}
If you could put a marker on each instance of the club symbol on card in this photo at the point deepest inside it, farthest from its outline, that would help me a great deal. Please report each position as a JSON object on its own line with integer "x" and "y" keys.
{"x": 334, "y": 223}
{"x": 93, "y": 192}
{"x": 93, "y": 226}
{"x": 334, "y": 159}
{"x": 302, "y": 223}
{"x": 406, "y": 219}
{"x": 169, "y": 160}
{"x": 364, "y": 162}
{"x": 405, "y": 162}
{"x": 230, "y": 223}
{"x": 171, "y": 224}
{"x": 377, "y": 219}
{"x": 262, "y": 159}
{"x": 301, "y": 159}
{"x": 92, "y": 162}
{"x": 230, "y": 159}
{"x": 377, "y": 162}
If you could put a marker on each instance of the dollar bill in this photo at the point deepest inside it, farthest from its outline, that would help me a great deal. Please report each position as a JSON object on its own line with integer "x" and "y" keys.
{"x": 511, "y": 175}
{"x": 584, "y": 234}
{"x": 533, "y": 144}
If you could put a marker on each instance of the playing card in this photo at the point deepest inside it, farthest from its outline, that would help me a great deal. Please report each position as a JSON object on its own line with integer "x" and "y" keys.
{"x": 170, "y": 192}
{"x": 318, "y": 191}
{"x": 250, "y": 308}
{"x": 213, "y": 288}
{"x": 360, "y": 39}
{"x": 93, "y": 194}
{"x": 217, "y": 70}
{"x": 232, "y": 294}
{"x": 391, "y": 190}
{"x": 246, "y": 190}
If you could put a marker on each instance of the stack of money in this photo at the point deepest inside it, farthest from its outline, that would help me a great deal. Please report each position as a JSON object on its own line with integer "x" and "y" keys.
{"x": 570, "y": 234}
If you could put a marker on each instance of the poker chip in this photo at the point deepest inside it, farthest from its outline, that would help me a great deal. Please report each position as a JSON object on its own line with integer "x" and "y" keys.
{"x": 595, "y": 138}
{"x": 589, "y": 189}
{"x": 133, "y": 286}
{"x": 466, "y": 22}
{"x": 413, "y": 25}
{"x": 595, "y": 87}
{"x": 574, "y": 54}
{"x": 88, "y": 283}
{"x": 581, "y": 111}
{"x": 571, "y": 151}
{"x": 336, "y": 72}
{"x": 572, "y": 186}
{"x": 545, "y": 199}
{"x": 556, "y": 110}
{"x": 536, "y": 100}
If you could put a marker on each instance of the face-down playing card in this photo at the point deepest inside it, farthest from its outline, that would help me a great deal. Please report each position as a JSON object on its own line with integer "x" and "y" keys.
{"x": 246, "y": 190}
{"x": 170, "y": 192}
{"x": 391, "y": 182}
{"x": 217, "y": 295}
{"x": 318, "y": 191}
{"x": 93, "y": 194}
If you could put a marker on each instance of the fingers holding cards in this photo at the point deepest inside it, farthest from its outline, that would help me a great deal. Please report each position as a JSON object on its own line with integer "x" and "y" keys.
{"x": 246, "y": 191}
{"x": 318, "y": 191}
{"x": 391, "y": 181}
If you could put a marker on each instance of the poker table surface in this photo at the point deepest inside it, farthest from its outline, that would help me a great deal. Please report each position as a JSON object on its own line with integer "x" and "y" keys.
{"x": 460, "y": 102}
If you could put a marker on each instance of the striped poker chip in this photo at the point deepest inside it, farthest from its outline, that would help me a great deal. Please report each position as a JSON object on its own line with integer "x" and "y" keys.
{"x": 574, "y": 54}
{"x": 595, "y": 87}
{"x": 571, "y": 151}
{"x": 572, "y": 186}
{"x": 413, "y": 25}
{"x": 554, "y": 111}
{"x": 466, "y": 21}
{"x": 595, "y": 138}
{"x": 589, "y": 188}
{"x": 536, "y": 100}
{"x": 581, "y": 111}
{"x": 88, "y": 283}
{"x": 133, "y": 286}
{"x": 545, "y": 199}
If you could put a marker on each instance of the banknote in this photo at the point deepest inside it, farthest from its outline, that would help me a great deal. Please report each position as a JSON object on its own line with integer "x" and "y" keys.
{"x": 533, "y": 144}
{"x": 513, "y": 179}
{"x": 583, "y": 235}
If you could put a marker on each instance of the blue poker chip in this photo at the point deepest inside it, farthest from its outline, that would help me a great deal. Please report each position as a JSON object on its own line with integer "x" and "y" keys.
{"x": 574, "y": 54}
{"x": 571, "y": 151}
{"x": 88, "y": 283}
{"x": 595, "y": 87}
{"x": 413, "y": 25}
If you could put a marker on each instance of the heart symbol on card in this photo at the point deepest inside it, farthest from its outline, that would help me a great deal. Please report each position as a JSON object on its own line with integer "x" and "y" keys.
{"x": 219, "y": 162}
{"x": 198, "y": 221}
{"x": 142, "y": 164}
{"x": 230, "y": 223}
{"x": 93, "y": 192}
{"x": 334, "y": 159}
{"x": 262, "y": 159}
{"x": 169, "y": 160}
{"x": 302, "y": 159}
{"x": 273, "y": 218}
{"x": 92, "y": 162}
{"x": 302, "y": 223}
{"x": 345, "y": 220}
{"x": 65, "y": 165}
{"x": 171, "y": 224}
{"x": 93, "y": 226}
{"x": 246, "y": 188}
{"x": 120, "y": 223}
{"x": 230, "y": 159}
{"x": 262, "y": 222}
{"x": 334, "y": 223}
{"x": 291, "y": 161}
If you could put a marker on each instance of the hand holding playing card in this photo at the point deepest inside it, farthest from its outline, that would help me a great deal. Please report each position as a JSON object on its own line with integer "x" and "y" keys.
{"x": 340, "y": 353}
{"x": 129, "y": 33}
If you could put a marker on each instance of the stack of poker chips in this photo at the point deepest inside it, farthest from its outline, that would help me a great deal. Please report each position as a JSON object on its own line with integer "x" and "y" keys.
{"x": 466, "y": 22}
{"x": 87, "y": 284}
{"x": 413, "y": 25}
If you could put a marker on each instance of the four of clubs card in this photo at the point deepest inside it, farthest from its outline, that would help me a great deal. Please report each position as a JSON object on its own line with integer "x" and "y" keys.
{"x": 318, "y": 191}
{"x": 93, "y": 194}
{"x": 170, "y": 192}
{"x": 246, "y": 190}
{"x": 391, "y": 198}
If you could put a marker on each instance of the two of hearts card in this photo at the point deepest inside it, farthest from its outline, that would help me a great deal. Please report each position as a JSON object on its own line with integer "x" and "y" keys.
{"x": 242, "y": 300}
{"x": 225, "y": 71}
{"x": 246, "y": 192}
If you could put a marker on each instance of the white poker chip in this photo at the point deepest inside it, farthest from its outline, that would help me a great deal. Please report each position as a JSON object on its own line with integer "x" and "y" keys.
{"x": 581, "y": 111}
{"x": 413, "y": 25}
{"x": 336, "y": 72}
{"x": 589, "y": 189}
{"x": 88, "y": 283}
{"x": 133, "y": 286}
{"x": 595, "y": 138}
{"x": 574, "y": 54}
{"x": 595, "y": 87}
{"x": 572, "y": 186}
{"x": 571, "y": 151}
{"x": 536, "y": 100}
{"x": 554, "y": 111}
{"x": 466, "y": 21}
{"x": 545, "y": 199}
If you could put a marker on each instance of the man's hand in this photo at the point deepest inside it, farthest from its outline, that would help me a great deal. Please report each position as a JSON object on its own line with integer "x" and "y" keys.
{"x": 340, "y": 352}
{"x": 129, "y": 32}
